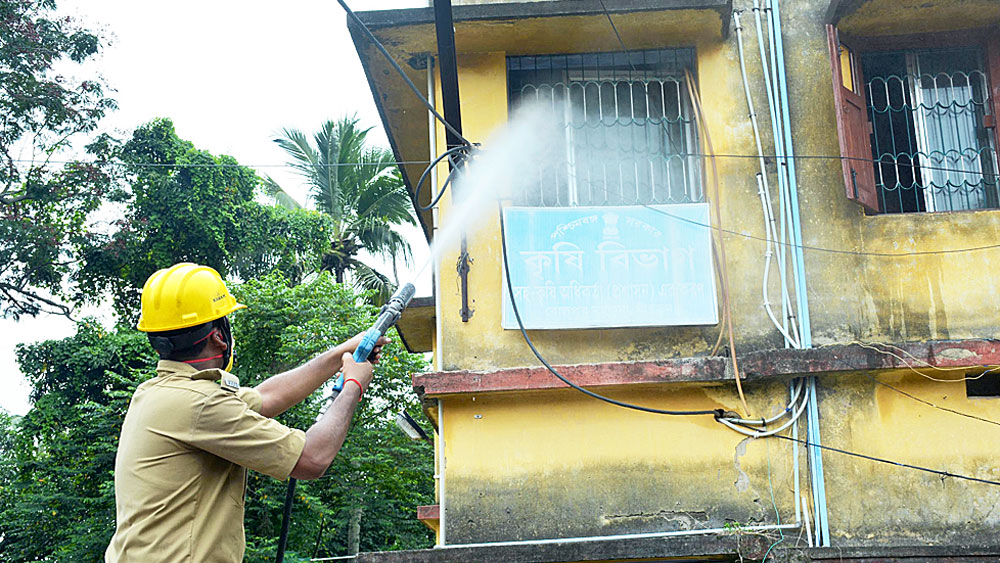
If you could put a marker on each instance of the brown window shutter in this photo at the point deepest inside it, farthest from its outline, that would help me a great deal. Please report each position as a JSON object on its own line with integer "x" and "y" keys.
{"x": 853, "y": 129}
{"x": 993, "y": 71}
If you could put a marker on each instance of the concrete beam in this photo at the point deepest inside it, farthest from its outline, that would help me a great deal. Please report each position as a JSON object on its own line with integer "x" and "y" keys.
{"x": 839, "y": 358}
{"x": 728, "y": 547}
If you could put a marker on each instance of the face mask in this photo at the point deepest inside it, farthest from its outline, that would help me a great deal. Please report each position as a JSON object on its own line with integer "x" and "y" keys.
{"x": 229, "y": 355}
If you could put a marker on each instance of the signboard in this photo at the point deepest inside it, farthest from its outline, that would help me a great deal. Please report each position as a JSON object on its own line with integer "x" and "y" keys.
{"x": 604, "y": 267}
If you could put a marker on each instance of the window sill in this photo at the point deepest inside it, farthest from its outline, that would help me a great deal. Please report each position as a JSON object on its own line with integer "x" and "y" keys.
{"x": 765, "y": 364}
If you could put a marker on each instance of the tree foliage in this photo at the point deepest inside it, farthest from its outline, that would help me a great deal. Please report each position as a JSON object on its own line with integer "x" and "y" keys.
{"x": 58, "y": 494}
{"x": 44, "y": 205}
{"x": 361, "y": 189}
{"x": 185, "y": 204}
{"x": 379, "y": 469}
{"x": 56, "y": 463}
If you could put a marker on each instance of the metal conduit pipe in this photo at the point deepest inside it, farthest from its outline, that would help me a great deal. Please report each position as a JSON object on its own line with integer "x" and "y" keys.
{"x": 805, "y": 329}
{"x": 442, "y": 469}
{"x": 675, "y": 533}
{"x": 435, "y": 215}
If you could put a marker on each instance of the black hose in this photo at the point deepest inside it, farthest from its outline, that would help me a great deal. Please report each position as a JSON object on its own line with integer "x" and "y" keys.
{"x": 286, "y": 518}
{"x": 447, "y": 182}
{"x": 524, "y": 333}
{"x": 402, "y": 74}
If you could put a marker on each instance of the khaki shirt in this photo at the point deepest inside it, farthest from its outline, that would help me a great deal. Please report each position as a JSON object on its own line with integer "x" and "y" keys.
{"x": 180, "y": 474}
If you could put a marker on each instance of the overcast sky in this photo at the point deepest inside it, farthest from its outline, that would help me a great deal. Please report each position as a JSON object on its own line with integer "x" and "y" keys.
{"x": 230, "y": 74}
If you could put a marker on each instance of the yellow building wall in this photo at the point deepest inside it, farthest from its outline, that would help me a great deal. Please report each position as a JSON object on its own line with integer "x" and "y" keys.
{"x": 555, "y": 463}
{"x": 850, "y": 296}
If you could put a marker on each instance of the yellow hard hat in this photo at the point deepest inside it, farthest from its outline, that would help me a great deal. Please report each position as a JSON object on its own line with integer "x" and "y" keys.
{"x": 184, "y": 295}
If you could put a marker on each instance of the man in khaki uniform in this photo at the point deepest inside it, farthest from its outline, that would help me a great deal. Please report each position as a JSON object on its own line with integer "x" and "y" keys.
{"x": 191, "y": 431}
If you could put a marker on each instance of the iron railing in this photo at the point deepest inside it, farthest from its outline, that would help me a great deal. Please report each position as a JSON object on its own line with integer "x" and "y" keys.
{"x": 628, "y": 133}
{"x": 932, "y": 149}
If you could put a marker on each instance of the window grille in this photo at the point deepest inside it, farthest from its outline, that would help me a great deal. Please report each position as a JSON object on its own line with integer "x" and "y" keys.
{"x": 629, "y": 134}
{"x": 932, "y": 149}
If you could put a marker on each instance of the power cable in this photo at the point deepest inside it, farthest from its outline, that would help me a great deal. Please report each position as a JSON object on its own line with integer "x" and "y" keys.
{"x": 619, "y": 36}
{"x": 821, "y": 249}
{"x": 401, "y": 72}
{"x": 768, "y": 156}
{"x": 538, "y": 355}
{"x": 888, "y": 461}
{"x": 928, "y": 403}
{"x": 874, "y": 347}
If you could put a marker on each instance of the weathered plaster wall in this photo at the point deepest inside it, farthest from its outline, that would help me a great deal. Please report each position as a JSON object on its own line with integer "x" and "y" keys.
{"x": 556, "y": 464}
{"x": 851, "y": 296}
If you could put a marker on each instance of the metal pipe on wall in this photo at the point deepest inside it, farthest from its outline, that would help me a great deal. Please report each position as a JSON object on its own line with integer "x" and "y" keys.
{"x": 802, "y": 300}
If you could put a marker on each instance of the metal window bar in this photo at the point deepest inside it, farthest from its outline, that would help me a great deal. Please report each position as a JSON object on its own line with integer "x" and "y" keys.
{"x": 932, "y": 151}
{"x": 629, "y": 132}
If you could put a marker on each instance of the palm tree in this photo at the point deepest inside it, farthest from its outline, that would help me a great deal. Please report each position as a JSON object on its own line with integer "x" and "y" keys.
{"x": 361, "y": 189}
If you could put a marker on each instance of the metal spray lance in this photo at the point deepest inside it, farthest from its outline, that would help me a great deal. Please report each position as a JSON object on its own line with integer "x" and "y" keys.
{"x": 387, "y": 317}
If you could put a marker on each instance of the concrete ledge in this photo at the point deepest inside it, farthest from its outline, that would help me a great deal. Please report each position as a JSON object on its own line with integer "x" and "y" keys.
{"x": 906, "y": 554}
{"x": 683, "y": 548}
{"x": 840, "y": 358}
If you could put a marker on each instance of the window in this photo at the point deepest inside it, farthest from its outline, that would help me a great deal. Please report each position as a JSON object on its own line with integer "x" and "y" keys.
{"x": 931, "y": 149}
{"x": 630, "y": 136}
{"x": 986, "y": 385}
{"x": 917, "y": 127}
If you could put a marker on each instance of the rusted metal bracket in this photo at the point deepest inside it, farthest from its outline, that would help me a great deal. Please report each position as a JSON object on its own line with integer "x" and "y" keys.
{"x": 464, "y": 263}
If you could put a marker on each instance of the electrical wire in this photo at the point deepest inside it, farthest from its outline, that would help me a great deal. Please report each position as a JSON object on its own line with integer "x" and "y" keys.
{"x": 618, "y": 35}
{"x": 405, "y": 162}
{"x": 888, "y": 461}
{"x": 873, "y": 346}
{"x": 718, "y": 243}
{"x": 457, "y": 153}
{"x": 928, "y": 403}
{"x": 538, "y": 355}
{"x": 822, "y": 249}
{"x": 217, "y": 165}
{"x": 401, "y": 72}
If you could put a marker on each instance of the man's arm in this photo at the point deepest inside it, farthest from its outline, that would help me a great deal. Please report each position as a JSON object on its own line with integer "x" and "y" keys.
{"x": 324, "y": 438}
{"x": 282, "y": 391}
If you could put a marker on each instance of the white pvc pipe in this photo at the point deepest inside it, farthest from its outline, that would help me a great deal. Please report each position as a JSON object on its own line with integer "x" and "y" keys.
{"x": 432, "y": 128}
{"x": 764, "y": 188}
{"x": 555, "y": 541}
{"x": 796, "y": 389}
{"x": 442, "y": 467}
{"x": 756, "y": 434}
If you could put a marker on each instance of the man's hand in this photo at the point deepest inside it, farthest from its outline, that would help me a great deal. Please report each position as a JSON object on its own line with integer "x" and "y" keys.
{"x": 352, "y": 345}
{"x": 360, "y": 372}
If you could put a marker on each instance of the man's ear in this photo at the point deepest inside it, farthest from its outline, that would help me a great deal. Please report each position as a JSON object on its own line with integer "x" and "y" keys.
{"x": 218, "y": 340}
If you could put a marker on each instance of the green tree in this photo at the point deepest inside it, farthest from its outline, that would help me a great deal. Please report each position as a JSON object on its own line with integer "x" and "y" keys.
{"x": 361, "y": 189}
{"x": 58, "y": 493}
{"x": 185, "y": 204}
{"x": 44, "y": 205}
{"x": 379, "y": 470}
{"x": 56, "y": 463}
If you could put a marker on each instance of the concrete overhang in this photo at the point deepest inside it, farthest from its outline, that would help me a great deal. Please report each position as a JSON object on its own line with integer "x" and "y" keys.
{"x": 515, "y": 28}
{"x": 865, "y": 18}
{"x": 957, "y": 357}
{"x": 416, "y": 325}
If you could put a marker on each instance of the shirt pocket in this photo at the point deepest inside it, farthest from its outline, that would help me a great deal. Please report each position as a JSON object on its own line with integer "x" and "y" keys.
{"x": 236, "y": 484}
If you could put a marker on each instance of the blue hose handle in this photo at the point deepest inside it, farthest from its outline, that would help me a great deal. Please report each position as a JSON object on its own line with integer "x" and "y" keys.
{"x": 361, "y": 353}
